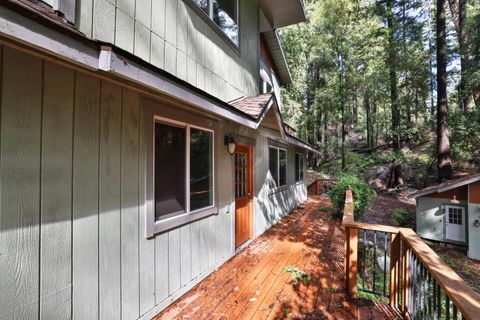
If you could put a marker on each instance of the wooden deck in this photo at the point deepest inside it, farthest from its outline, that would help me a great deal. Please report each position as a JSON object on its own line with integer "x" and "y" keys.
{"x": 256, "y": 283}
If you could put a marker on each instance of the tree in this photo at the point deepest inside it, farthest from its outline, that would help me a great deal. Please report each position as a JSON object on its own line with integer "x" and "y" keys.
{"x": 458, "y": 9}
{"x": 444, "y": 165}
{"x": 392, "y": 62}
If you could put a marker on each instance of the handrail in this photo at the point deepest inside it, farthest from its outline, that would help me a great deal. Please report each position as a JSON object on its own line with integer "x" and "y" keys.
{"x": 463, "y": 297}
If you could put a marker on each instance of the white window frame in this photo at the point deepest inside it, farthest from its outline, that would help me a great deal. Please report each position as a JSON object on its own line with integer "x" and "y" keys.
{"x": 300, "y": 167}
{"x": 155, "y": 226}
{"x": 278, "y": 165}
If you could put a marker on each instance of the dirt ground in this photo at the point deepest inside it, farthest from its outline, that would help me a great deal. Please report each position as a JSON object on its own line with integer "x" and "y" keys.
{"x": 455, "y": 257}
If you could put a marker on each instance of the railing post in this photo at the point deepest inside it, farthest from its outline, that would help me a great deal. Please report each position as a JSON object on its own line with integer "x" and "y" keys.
{"x": 406, "y": 283}
{"x": 395, "y": 269}
{"x": 350, "y": 265}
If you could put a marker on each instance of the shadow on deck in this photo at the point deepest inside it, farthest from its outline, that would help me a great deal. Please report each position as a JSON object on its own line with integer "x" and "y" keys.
{"x": 255, "y": 284}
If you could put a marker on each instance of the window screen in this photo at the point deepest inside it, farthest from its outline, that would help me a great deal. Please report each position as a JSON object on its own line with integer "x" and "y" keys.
{"x": 273, "y": 163}
{"x": 201, "y": 173}
{"x": 170, "y": 157}
{"x": 299, "y": 165}
{"x": 283, "y": 167}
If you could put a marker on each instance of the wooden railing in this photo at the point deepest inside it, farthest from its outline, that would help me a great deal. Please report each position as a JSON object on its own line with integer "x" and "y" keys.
{"x": 321, "y": 185}
{"x": 417, "y": 283}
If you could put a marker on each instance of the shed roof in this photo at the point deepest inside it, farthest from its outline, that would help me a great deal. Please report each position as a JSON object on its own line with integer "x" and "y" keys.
{"x": 447, "y": 185}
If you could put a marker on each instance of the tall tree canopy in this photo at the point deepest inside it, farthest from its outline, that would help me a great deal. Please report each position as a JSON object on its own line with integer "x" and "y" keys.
{"x": 370, "y": 67}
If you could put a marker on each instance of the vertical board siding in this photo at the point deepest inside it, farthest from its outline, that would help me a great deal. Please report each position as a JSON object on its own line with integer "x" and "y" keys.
{"x": 146, "y": 246}
{"x": 72, "y": 200}
{"x": 139, "y": 25}
{"x": 56, "y": 193}
{"x": 129, "y": 206}
{"x": 185, "y": 255}
{"x": 20, "y": 179}
{"x": 161, "y": 267}
{"x": 85, "y": 197}
{"x": 109, "y": 200}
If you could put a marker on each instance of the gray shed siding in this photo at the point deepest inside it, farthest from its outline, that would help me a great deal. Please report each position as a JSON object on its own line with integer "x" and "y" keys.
{"x": 72, "y": 200}
{"x": 430, "y": 217}
{"x": 171, "y": 36}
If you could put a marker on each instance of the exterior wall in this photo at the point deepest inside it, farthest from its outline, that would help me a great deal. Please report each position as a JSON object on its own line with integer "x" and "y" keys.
{"x": 430, "y": 217}
{"x": 170, "y": 36}
{"x": 72, "y": 200}
{"x": 474, "y": 214}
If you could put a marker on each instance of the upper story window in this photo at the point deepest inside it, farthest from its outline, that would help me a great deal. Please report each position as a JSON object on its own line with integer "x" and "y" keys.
{"x": 277, "y": 164}
{"x": 224, "y": 13}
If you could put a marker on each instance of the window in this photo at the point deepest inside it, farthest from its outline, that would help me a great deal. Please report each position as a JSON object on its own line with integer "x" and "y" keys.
{"x": 277, "y": 162}
{"x": 183, "y": 170}
{"x": 299, "y": 167}
{"x": 455, "y": 215}
{"x": 223, "y": 13}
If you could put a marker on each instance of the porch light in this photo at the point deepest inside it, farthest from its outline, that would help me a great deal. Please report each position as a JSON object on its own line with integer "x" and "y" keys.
{"x": 231, "y": 144}
{"x": 454, "y": 199}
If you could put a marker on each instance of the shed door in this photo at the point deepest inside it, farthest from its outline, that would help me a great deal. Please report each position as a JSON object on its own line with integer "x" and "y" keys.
{"x": 455, "y": 223}
{"x": 243, "y": 194}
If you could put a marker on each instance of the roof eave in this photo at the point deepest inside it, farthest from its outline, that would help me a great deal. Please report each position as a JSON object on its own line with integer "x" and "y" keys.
{"x": 278, "y": 55}
{"x": 283, "y": 13}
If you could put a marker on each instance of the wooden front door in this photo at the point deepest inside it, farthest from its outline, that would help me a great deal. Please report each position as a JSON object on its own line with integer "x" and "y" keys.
{"x": 243, "y": 194}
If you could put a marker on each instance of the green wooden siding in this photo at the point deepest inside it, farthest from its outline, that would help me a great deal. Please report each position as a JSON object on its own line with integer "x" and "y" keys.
{"x": 171, "y": 36}
{"x": 72, "y": 200}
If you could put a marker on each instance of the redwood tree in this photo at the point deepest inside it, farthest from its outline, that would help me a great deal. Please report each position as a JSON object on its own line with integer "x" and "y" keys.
{"x": 444, "y": 164}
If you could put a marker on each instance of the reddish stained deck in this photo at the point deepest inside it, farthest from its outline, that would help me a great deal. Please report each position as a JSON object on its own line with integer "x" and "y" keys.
{"x": 255, "y": 285}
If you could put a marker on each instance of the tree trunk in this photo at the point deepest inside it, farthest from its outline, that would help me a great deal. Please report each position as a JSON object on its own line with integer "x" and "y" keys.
{"x": 393, "y": 78}
{"x": 368, "y": 118}
{"x": 444, "y": 165}
{"x": 459, "y": 15}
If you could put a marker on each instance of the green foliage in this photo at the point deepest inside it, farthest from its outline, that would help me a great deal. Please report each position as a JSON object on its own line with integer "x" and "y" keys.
{"x": 362, "y": 194}
{"x": 298, "y": 275}
{"x": 402, "y": 217}
{"x": 465, "y": 138}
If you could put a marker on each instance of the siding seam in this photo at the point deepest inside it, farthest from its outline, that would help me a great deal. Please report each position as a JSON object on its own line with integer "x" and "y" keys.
{"x": 42, "y": 100}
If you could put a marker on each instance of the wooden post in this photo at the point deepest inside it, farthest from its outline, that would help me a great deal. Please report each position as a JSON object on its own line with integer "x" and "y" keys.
{"x": 405, "y": 277}
{"x": 350, "y": 268}
{"x": 395, "y": 269}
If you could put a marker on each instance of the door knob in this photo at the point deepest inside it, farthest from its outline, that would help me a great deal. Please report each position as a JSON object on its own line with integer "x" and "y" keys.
{"x": 249, "y": 196}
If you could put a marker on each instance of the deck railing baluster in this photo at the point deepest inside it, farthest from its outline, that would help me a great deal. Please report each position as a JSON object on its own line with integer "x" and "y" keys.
{"x": 385, "y": 238}
{"x": 417, "y": 279}
{"x": 364, "y": 258}
{"x": 447, "y": 307}
{"x": 374, "y": 259}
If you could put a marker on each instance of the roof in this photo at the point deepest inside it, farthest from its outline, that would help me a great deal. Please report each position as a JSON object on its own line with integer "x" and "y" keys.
{"x": 278, "y": 56}
{"x": 258, "y": 106}
{"x": 253, "y": 105}
{"x": 447, "y": 185}
{"x": 282, "y": 13}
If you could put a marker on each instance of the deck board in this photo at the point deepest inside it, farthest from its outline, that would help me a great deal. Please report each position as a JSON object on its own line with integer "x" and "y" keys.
{"x": 255, "y": 285}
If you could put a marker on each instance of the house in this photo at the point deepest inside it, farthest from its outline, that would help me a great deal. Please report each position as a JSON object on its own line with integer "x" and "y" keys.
{"x": 450, "y": 212}
{"x": 142, "y": 145}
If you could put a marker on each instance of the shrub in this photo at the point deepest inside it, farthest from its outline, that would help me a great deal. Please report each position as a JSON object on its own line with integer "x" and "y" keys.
{"x": 362, "y": 194}
{"x": 402, "y": 217}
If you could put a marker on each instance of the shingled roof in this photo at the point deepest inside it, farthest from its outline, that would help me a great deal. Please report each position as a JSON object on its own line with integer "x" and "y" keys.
{"x": 447, "y": 185}
{"x": 253, "y": 105}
